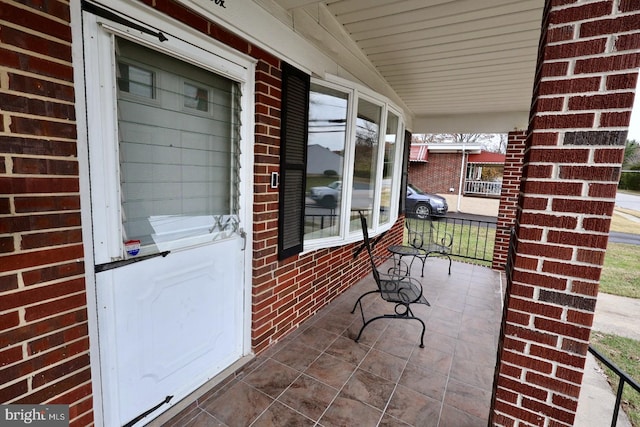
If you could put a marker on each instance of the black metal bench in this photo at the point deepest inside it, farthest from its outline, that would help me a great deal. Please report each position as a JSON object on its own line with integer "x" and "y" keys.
{"x": 424, "y": 241}
{"x": 401, "y": 290}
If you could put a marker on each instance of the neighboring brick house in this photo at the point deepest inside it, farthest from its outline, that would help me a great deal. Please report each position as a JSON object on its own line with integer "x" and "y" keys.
{"x": 456, "y": 169}
{"x": 437, "y": 168}
{"x": 82, "y": 200}
{"x": 483, "y": 175}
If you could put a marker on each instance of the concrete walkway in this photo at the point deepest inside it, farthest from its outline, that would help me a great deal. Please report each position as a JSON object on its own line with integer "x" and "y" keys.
{"x": 472, "y": 205}
{"x": 618, "y": 315}
{"x": 596, "y": 402}
{"x": 614, "y": 315}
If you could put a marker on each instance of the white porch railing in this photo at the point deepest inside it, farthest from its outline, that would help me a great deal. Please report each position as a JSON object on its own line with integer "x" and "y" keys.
{"x": 485, "y": 188}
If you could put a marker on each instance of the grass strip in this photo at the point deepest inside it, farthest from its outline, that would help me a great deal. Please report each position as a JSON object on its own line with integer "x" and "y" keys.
{"x": 625, "y": 353}
{"x": 621, "y": 270}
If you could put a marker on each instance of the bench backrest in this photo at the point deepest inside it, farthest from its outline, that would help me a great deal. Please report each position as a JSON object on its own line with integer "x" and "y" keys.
{"x": 367, "y": 245}
{"x": 421, "y": 232}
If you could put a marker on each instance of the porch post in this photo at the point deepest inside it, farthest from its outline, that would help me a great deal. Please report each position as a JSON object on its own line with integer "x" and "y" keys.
{"x": 511, "y": 178}
{"x": 583, "y": 94}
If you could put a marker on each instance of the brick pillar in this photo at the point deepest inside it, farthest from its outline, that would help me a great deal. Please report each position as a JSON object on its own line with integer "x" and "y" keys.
{"x": 509, "y": 196}
{"x": 583, "y": 95}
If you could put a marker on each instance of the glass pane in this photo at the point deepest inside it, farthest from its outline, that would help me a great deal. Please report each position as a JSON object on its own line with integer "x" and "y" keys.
{"x": 178, "y": 167}
{"x": 325, "y": 161}
{"x": 365, "y": 160}
{"x": 135, "y": 80}
{"x": 390, "y": 147}
{"x": 196, "y": 97}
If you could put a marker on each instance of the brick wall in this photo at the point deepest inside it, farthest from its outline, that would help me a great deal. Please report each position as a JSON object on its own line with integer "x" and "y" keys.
{"x": 509, "y": 196}
{"x": 44, "y": 344}
{"x": 438, "y": 175}
{"x": 43, "y": 319}
{"x": 287, "y": 292}
{"x": 587, "y": 70}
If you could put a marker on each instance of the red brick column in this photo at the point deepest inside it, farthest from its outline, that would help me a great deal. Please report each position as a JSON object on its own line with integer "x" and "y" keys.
{"x": 583, "y": 94}
{"x": 509, "y": 196}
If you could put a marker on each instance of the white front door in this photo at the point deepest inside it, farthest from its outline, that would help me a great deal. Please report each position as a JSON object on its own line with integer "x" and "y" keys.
{"x": 168, "y": 221}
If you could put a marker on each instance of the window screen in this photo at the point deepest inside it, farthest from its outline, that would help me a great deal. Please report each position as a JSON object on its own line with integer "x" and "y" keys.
{"x": 179, "y": 133}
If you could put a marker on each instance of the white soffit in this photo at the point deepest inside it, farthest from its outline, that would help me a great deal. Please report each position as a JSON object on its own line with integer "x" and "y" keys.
{"x": 445, "y": 58}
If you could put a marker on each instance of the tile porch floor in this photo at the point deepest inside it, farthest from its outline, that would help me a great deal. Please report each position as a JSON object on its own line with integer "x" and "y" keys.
{"x": 318, "y": 376}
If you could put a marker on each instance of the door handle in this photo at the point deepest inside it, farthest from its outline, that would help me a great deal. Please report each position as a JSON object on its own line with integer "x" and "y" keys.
{"x": 243, "y": 234}
{"x": 115, "y": 264}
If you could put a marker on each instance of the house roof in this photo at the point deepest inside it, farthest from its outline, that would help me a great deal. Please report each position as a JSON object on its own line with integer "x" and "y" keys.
{"x": 487, "y": 157}
{"x": 420, "y": 152}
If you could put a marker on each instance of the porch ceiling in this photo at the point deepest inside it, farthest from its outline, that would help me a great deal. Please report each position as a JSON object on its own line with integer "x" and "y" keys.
{"x": 445, "y": 57}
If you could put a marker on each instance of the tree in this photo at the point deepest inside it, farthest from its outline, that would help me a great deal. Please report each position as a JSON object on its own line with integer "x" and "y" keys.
{"x": 630, "y": 177}
{"x": 426, "y": 138}
{"x": 494, "y": 142}
{"x": 631, "y": 154}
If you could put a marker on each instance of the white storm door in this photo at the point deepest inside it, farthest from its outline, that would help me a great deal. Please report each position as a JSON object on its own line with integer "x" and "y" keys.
{"x": 170, "y": 247}
{"x": 167, "y": 326}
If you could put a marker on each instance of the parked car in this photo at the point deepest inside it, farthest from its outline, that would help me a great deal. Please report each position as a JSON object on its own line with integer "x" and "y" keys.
{"x": 418, "y": 203}
{"x": 423, "y": 205}
{"x": 327, "y": 195}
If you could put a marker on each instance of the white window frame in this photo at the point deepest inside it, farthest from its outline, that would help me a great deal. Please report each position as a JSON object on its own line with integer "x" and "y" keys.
{"x": 396, "y": 181}
{"x": 354, "y": 92}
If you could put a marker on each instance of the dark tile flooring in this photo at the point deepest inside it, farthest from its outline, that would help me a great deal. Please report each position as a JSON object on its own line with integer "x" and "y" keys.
{"x": 319, "y": 376}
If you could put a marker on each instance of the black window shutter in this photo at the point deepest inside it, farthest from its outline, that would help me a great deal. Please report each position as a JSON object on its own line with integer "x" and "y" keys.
{"x": 405, "y": 171}
{"x": 293, "y": 160}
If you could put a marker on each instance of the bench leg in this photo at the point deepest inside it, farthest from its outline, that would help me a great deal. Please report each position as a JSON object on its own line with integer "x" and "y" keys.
{"x": 390, "y": 316}
{"x": 424, "y": 260}
{"x": 362, "y": 296}
{"x": 436, "y": 254}
{"x": 423, "y": 330}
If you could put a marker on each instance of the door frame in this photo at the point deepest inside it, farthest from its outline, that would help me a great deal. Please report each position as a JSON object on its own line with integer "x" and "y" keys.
{"x": 184, "y": 43}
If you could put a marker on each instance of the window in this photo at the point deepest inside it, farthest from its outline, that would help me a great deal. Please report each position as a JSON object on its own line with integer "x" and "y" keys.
{"x": 136, "y": 80}
{"x": 165, "y": 174}
{"x": 365, "y": 160}
{"x": 177, "y": 179}
{"x": 325, "y": 165}
{"x": 196, "y": 97}
{"x": 353, "y": 163}
{"x": 388, "y": 167}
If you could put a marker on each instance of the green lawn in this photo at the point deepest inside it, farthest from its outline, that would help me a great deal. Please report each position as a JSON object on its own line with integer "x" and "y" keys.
{"x": 624, "y": 353}
{"x": 621, "y": 270}
{"x": 621, "y": 276}
{"x": 471, "y": 243}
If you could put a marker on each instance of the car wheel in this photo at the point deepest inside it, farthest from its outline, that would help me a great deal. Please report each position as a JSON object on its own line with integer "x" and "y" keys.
{"x": 423, "y": 211}
{"x": 328, "y": 202}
